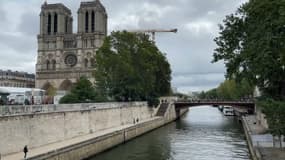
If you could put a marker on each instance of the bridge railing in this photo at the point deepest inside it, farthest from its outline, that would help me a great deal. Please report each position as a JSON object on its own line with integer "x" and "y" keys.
{"x": 217, "y": 101}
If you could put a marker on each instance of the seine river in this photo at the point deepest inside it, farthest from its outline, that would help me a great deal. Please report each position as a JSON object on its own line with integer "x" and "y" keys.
{"x": 202, "y": 134}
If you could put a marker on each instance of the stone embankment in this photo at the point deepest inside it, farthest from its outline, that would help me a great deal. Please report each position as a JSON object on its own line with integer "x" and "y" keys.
{"x": 261, "y": 144}
{"x": 78, "y": 134}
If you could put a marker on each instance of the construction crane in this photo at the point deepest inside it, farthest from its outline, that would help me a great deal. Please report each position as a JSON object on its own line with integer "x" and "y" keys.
{"x": 153, "y": 31}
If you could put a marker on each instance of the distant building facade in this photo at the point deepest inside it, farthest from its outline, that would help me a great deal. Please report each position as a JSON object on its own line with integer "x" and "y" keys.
{"x": 16, "y": 79}
{"x": 64, "y": 56}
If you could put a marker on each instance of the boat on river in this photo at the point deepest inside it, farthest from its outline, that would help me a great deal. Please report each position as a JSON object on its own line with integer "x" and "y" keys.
{"x": 228, "y": 111}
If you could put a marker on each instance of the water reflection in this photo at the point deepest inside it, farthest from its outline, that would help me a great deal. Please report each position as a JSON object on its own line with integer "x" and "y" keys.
{"x": 203, "y": 134}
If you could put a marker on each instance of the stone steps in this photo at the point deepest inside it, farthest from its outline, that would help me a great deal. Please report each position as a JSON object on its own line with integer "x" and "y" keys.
{"x": 162, "y": 109}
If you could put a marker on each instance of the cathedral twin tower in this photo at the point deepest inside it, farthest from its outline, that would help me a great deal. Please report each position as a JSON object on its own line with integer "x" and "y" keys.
{"x": 64, "y": 56}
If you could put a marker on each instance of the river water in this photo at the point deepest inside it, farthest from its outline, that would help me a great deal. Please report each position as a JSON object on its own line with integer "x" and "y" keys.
{"x": 202, "y": 134}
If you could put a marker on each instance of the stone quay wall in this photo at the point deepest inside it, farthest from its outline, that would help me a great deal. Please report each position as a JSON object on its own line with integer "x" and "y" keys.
{"x": 7, "y": 110}
{"x": 53, "y": 125}
{"x": 255, "y": 154}
{"x": 94, "y": 146}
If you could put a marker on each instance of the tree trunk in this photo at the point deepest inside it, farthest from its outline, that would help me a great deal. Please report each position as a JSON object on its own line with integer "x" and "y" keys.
{"x": 282, "y": 90}
{"x": 280, "y": 141}
{"x": 273, "y": 141}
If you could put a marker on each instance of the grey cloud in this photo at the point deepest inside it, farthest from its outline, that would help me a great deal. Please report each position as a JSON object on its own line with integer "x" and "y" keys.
{"x": 29, "y": 23}
{"x": 2, "y": 15}
{"x": 189, "y": 51}
{"x": 3, "y": 18}
{"x": 14, "y": 60}
{"x": 21, "y": 65}
{"x": 19, "y": 43}
{"x": 178, "y": 74}
{"x": 198, "y": 80}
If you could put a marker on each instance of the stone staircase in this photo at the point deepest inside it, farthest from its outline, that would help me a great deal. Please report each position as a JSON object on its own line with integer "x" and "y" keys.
{"x": 162, "y": 109}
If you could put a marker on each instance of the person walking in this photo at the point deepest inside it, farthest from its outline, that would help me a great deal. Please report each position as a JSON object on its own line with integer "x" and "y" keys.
{"x": 25, "y": 151}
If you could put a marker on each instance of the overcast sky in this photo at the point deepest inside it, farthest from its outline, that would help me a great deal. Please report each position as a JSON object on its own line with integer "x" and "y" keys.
{"x": 189, "y": 51}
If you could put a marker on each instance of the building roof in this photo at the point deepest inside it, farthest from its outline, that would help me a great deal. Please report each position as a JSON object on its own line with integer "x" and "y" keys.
{"x": 59, "y": 6}
{"x": 94, "y": 3}
{"x": 17, "y": 73}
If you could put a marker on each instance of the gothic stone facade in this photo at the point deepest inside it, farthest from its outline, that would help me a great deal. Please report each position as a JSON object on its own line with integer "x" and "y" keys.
{"x": 64, "y": 56}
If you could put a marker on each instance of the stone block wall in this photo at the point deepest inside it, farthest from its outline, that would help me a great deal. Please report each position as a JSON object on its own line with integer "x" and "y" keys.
{"x": 38, "y": 129}
{"x": 261, "y": 117}
{"x": 94, "y": 146}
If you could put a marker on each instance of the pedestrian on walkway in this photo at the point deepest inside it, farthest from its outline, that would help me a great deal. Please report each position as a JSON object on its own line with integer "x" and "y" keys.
{"x": 25, "y": 151}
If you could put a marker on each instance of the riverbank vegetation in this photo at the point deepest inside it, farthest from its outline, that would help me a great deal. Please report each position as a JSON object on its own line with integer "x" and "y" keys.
{"x": 230, "y": 90}
{"x": 82, "y": 92}
{"x": 252, "y": 45}
{"x": 275, "y": 115}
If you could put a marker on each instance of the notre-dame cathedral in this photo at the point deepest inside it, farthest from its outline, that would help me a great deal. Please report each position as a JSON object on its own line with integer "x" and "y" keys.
{"x": 64, "y": 56}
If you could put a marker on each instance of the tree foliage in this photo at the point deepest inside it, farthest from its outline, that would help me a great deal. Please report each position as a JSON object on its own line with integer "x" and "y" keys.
{"x": 130, "y": 67}
{"x": 82, "y": 92}
{"x": 229, "y": 90}
{"x": 274, "y": 111}
{"x": 275, "y": 119}
{"x": 252, "y": 45}
{"x": 51, "y": 91}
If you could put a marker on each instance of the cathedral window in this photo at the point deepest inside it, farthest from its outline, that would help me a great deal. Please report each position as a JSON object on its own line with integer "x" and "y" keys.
{"x": 93, "y": 21}
{"x": 66, "y": 24}
{"x": 55, "y": 23}
{"x": 53, "y": 64}
{"x": 70, "y": 60}
{"x": 48, "y": 65}
{"x": 49, "y": 23}
{"x": 85, "y": 43}
{"x": 69, "y": 44}
{"x": 86, "y": 22}
{"x": 86, "y": 63}
{"x": 92, "y": 43}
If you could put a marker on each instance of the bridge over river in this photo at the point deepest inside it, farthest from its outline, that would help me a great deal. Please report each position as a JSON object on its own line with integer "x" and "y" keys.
{"x": 245, "y": 105}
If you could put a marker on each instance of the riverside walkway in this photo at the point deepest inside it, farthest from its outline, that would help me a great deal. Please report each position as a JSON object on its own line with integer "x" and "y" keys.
{"x": 262, "y": 142}
{"x": 53, "y": 147}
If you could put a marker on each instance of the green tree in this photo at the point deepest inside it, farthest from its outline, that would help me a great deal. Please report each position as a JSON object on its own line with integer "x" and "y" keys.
{"x": 202, "y": 95}
{"x": 252, "y": 44}
{"x": 130, "y": 67}
{"x": 51, "y": 91}
{"x": 275, "y": 112}
{"x": 229, "y": 90}
{"x": 82, "y": 92}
